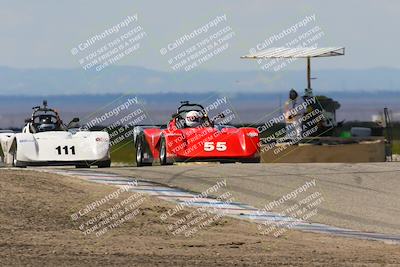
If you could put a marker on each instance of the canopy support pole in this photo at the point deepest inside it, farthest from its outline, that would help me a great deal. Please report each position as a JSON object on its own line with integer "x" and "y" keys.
{"x": 308, "y": 73}
{"x": 309, "y": 90}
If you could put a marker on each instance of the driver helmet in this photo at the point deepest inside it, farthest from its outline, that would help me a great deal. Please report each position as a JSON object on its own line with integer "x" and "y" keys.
{"x": 293, "y": 94}
{"x": 45, "y": 124}
{"x": 193, "y": 118}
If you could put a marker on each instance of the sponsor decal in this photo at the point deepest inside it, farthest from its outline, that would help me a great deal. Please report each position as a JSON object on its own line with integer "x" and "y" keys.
{"x": 26, "y": 141}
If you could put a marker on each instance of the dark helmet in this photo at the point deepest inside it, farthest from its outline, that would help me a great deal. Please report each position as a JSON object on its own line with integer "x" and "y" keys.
{"x": 293, "y": 94}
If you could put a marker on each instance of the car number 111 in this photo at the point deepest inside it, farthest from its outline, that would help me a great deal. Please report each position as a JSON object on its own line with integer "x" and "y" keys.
{"x": 65, "y": 150}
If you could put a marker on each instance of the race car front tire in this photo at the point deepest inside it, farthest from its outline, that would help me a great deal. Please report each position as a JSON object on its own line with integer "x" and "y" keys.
{"x": 82, "y": 166}
{"x": 140, "y": 146}
{"x": 251, "y": 160}
{"x": 163, "y": 152}
{"x": 104, "y": 164}
{"x": 15, "y": 162}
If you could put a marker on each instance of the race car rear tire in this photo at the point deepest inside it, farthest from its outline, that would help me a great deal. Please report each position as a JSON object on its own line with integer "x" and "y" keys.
{"x": 104, "y": 164}
{"x": 140, "y": 145}
{"x": 163, "y": 152}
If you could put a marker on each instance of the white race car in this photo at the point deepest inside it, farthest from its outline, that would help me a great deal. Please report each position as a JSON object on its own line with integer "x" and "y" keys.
{"x": 45, "y": 140}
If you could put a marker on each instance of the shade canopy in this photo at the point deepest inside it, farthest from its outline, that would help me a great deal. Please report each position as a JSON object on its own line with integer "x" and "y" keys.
{"x": 302, "y": 52}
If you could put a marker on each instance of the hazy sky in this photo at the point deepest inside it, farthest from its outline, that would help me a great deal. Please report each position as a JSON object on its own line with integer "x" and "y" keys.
{"x": 36, "y": 34}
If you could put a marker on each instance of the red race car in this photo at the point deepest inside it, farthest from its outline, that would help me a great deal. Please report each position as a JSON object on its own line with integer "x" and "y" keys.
{"x": 192, "y": 136}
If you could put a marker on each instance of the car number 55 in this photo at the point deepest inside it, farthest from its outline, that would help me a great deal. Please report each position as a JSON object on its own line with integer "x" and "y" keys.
{"x": 211, "y": 146}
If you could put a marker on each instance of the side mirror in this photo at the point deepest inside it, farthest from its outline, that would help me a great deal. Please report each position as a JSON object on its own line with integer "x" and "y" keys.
{"x": 174, "y": 115}
{"x": 219, "y": 116}
{"x": 28, "y": 120}
{"x": 73, "y": 123}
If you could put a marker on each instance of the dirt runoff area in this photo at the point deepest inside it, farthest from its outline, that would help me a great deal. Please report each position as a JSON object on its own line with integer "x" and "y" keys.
{"x": 45, "y": 221}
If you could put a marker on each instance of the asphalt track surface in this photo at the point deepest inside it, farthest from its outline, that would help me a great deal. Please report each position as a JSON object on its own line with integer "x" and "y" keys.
{"x": 364, "y": 196}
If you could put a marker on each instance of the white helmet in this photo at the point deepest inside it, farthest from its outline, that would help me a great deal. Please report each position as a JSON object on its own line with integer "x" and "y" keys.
{"x": 193, "y": 118}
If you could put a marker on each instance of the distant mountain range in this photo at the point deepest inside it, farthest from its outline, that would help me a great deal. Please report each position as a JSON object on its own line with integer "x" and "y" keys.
{"x": 121, "y": 79}
{"x": 248, "y": 107}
